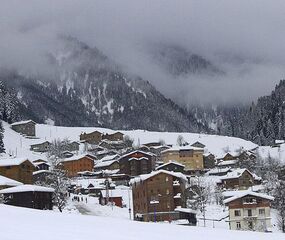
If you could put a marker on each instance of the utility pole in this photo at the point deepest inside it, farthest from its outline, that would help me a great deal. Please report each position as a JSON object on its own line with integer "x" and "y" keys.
{"x": 130, "y": 215}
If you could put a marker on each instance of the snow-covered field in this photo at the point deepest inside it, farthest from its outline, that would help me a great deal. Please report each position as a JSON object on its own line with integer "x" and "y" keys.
{"x": 22, "y": 223}
{"x": 17, "y": 145}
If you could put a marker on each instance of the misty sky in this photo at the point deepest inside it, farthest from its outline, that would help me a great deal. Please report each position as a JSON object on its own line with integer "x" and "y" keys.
{"x": 245, "y": 39}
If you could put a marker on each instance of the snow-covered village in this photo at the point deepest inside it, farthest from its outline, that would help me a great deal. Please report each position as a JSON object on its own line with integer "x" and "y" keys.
{"x": 181, "y": 183}
{"x": 141, "y": 119}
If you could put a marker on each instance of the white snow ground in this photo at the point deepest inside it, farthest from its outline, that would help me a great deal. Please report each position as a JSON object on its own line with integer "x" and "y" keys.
{"x": 21, "y": 223}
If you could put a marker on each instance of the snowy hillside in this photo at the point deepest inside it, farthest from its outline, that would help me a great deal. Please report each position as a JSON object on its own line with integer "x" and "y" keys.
{"x": 15, "y": 144}
{"x": 21, "y": 222}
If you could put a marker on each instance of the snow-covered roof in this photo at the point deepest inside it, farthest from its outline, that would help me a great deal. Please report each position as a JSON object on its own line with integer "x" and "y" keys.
{"x": 22, "y": 122}
{"x": 138, "y": 159}
{"x": 137, "y": 151}
{"x": 219, "y": 170}
{"x": 109, "y": 157}
{"x": 76, "y": 157}
{"x": 170, "y": 162}
{"x": 101, "y": 164}
{"x": 237, "y": 173}
{"x": 4, "y": 181}
{"x": 185, "y": 210}
{"x": 41, "y": 171}
{"x": 112, "y": 193}
{"x": 84, "y": 183}
{"x": 26, "y": 188}
{"x": 241, "y": 194}
{"x": 12, "y": 161}
{"x": 227, "y": 162}
{"x": 144, "y": 177}
{"x": 181, "y": 148}
{"x": 232, "y": 193}
{"x": 279, "y": 141}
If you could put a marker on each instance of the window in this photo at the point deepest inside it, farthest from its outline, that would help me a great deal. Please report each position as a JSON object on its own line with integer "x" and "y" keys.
{"x": 249, "y": 212}
{"x": 167, "y": 191}
{"x": 261, "y": 211}
{"x": 238, "y": 226}
{"x": 166, "y": 179}
{"x": 237, "y": 213}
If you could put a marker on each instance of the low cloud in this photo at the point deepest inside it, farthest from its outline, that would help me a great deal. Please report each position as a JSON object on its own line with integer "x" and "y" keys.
{"x": 242, "y": 38}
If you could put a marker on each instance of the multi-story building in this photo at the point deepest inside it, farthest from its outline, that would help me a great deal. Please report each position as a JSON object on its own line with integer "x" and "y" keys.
{"x": 190, "y": 157}
{"x": 249, "y": 211}
{"x": 137, "y": 162}
{"x": 157, "y": 195}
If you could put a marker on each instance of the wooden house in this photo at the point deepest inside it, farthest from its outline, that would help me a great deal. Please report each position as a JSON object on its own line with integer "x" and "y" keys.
{"x": 107, "y": 165}
{"x": 198, "y": 145}
{"x": 92, "y": 138}
{"x": 239, "y": 179}
{"x": 27, "y": 128}
{"x": 40, "y": 147}
{"x": 209, "y": 160}
{"x": 19, "y": 169}
{"x": 112, "y": 196}
{"x": 249, "y": 211}
{"x": 117, "y": 136}
{"x": 73, "y": 146}
{"x": 78, "y": 163}
{"x": 8, "y": 182}
{"x": 157, "y": 195}
{"x": 29, "y": 196}
{"x": 136, "y": 163}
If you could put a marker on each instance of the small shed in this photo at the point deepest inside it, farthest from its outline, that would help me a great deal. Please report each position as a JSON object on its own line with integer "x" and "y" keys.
{"x": 187, "y": 213}
{"x": 113, "y": 196}
{"x": 29, "y": 196}
{"x": 27, "y": 127}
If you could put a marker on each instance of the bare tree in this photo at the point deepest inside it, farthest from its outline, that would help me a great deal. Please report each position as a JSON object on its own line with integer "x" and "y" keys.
{"x": 181, "y": 141}
{"x": 58, "y": 147}
{"x": 128, "y": 141}
{"x": 279, "y": 203}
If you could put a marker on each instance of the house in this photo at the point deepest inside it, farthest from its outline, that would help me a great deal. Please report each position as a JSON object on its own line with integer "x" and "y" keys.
{"x": 156, "y": 195}
{"x": 29, "y": 196}
{"x": 117, "y": 136}
{"x": 92, "y": 138}
{"x": 108, "y": 144}
{"x": 112, "y": 196}
{"x": 90, "y": 186}
{"x": 107, "y": 165}
{"x": 41, "y": 164}
{"x": 209, "y": 160}
{"x": 190, "y": 157}
{"x": 239, "y": 179}
{"x": 40, "y": 147}
{"x": 228, "y": 163}
{"x": 198, "y": 145}
{"x": 73, "y": 146}
{"x": 78, "y": 163}
{"x": 249, "y": 211}
{"x": 27, "y": 128}
{"x": 172, "y": 166}
{"x": 19, "y": 169}
{"x": 136, "y": 163}
{"x": 8, "y": 182}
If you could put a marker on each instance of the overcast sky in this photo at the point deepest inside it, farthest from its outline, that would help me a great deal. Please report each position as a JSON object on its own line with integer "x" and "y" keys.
{"x": 244, "y": 38}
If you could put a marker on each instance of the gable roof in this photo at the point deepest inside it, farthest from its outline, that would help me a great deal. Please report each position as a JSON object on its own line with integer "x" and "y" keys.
{"x": 183, "y": 148}
{"x": 237, "y": 173}
{"x": 144, "y": 177}
{"x": 77, "y": 157}
{"x": 4, "y": 181}
{"x": 101, "y": 164}
{"x": 137, "y": 151}
{"x": 26, "y": 188}
{"x": 170, "y": 162}
{"x": 246, "y": 193}
{"x": 22, "y": 122}
{"x": 13, "y": 162}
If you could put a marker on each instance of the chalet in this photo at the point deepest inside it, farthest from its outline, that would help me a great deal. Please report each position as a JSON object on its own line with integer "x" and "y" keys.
{"x": 228, "y": 163}
{"x": 40, "y": 147}
{"x": 107, "y": 165}
{"x": 77, "y": 163}
{"x": 157, "y": 195}
{"x": 239, "y": 179}
{"x": 198, "y": 145}
{"x": 172, "y": 166}
{"x": 19, "y": 169}
{"x": 29, "y": 196}
{"x": 8, "y": 182}
{"x": 249, "y": 211}
{"x": 209, "y": 160}
{"x": 27, "y": 128}
{"x": 73, "y": 146}
{"x": 92, "y": 138}
{"x": 41, "y": 164}
{"x": 136, "y": 163}
{"x": 117, "y": 136}
{"x": 190, "y": 157}
{"x": 219, "y": 171}
{"x": 113, "y": 197}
